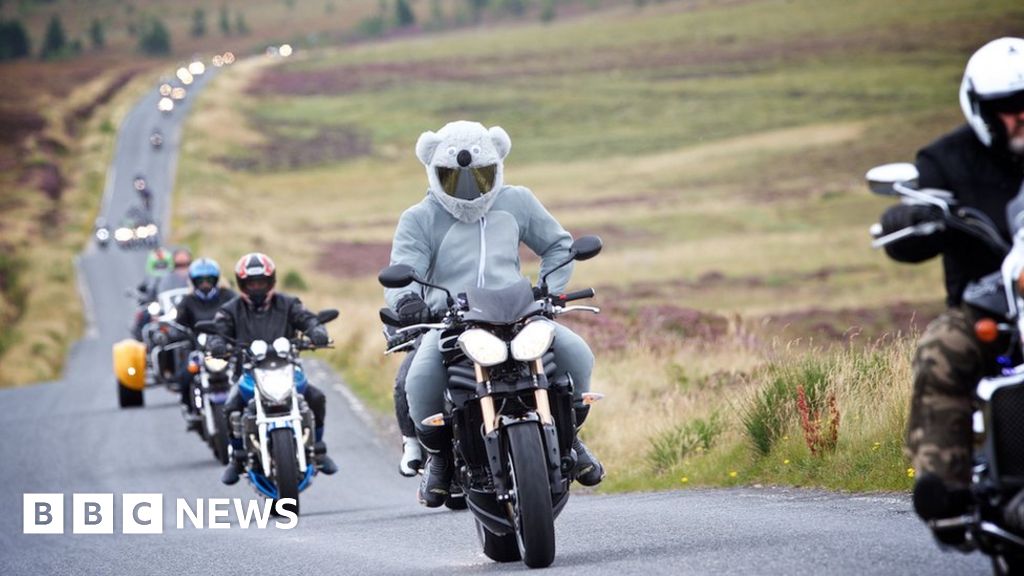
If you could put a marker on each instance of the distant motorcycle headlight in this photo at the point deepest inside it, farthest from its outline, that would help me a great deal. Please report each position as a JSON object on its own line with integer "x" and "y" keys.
{"x": 276, "y": 384}
{"x": 533, "y": 340}
{"x": 153, "y": 309}
{"x": 483, "y": 347}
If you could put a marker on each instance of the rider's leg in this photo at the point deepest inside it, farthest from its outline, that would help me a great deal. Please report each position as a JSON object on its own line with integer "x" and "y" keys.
{"x": 236, "y": 465}
{"x": 412, "y": 454}
{"x": 947, "y": 366}
{"x": 425, "y": 390}
{"x": 318, "y": 404}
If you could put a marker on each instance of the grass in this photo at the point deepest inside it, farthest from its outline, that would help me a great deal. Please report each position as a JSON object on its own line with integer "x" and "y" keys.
{"x": 719, "y": 151}
{"x": 42, "y": 235}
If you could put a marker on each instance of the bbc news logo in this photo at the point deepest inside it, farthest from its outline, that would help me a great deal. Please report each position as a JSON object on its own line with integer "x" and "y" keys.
{"x": 144, "y": 513}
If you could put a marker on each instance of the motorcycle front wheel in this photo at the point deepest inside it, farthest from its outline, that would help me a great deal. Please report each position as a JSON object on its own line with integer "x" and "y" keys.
{"x": 533, "y": 516}
{"x": 286, "y": 467}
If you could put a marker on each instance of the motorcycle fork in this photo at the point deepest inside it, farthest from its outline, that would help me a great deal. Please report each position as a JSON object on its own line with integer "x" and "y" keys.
{"x": 492, "y": 440}
{"x": 549, "y": 433}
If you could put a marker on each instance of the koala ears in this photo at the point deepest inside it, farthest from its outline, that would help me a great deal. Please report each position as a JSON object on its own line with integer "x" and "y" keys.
{"x": 426, "y": 145}
{"x": 501, "y": 140}
{"x": 428, "y": 142}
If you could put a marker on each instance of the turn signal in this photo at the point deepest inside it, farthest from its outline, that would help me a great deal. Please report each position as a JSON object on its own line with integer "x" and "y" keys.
{"x": 193, "y": 368}
{"x": 591, "y": 397}
{"x": 986, "y": 330}
{"x": 435, "y": 420}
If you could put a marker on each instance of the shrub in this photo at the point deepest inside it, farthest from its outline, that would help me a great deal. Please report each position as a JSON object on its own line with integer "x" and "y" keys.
{"x": 294, "y": 281}
{"x": 672, "y": 446}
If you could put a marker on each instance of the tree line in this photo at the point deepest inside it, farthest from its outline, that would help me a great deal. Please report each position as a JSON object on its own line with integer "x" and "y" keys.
{"x": 153, "y": 36}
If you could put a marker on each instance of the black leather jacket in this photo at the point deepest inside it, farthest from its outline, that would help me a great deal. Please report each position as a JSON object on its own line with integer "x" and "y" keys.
{"x": 979, "y": 178}
{"x": 281, "y": 318}
{"x": 192, "y": 309}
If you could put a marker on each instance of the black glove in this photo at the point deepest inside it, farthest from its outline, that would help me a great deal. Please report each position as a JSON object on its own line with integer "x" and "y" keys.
{"x": 903, "y": 216}
{"x": 412, "y": 309}
{"x": 540, "y": 292}
{"x": 217, "y": 347}
{"x": 318, "y": 335}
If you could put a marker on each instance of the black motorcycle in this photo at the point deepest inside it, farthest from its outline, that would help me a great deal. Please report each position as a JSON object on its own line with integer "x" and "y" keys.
{"x": 998, "y": 473}
{"x": 208, "y": 391}
{"x": 512, "y": 423}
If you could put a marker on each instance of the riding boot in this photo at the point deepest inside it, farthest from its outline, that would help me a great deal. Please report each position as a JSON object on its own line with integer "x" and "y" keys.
{"x": 412, "y": 457}
{"x": 436, "y": 483}
{"x": 324, "y": 463}
{"x": 588, "y": 470}
{"x": 235, "y": 468}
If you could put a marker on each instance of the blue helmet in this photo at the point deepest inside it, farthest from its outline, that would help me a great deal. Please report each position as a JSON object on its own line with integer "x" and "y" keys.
{"x": 204, "y": 269}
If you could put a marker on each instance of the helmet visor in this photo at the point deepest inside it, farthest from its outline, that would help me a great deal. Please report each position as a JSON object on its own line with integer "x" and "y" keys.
{"x": 199, "y": 281}
{"x": 461, "y": 182}
{"x": 1009, "y": 104}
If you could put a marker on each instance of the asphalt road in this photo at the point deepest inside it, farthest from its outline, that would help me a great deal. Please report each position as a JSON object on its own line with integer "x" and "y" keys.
{"x": 70, "y": 437}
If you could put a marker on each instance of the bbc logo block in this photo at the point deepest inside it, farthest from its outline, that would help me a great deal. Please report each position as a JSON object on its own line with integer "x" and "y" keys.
{"x": 93, "y": 513}
{"x": 43, "y": 513}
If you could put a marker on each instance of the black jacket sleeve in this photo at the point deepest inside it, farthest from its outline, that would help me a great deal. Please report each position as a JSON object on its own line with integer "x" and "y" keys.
{"x": 300, "y": 318}
{"x": 225, "y": 322}
{"x": 185, "y": 316}
{"x": 914, "y": 249}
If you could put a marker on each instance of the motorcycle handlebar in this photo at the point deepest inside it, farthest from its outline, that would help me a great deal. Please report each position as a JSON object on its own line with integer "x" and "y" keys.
{"x": 577, "y": 295}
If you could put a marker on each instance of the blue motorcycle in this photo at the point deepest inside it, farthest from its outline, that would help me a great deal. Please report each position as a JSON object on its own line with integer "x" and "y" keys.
{"x": 277, "y": 426}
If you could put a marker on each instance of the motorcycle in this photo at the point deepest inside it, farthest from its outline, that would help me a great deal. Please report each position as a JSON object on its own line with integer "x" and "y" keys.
{"x": 156, "y": 139}
{"x": 512, "y": 423}
{"x": 276, "y": 426}
{"x": 406, "y": 342}
{"x": 157, "y": 353}
{"x": 102, "y": 232}
{"x": 208, "y": 391}
{"x": 998, "y": 471}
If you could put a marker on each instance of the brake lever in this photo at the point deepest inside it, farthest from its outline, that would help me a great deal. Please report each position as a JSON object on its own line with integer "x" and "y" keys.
{"x": 565, "y": 310}
{"x": 432, "y": 326}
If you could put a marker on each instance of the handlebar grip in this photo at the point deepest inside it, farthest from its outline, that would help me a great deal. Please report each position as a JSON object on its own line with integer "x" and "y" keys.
{"x": 577, "y": 295}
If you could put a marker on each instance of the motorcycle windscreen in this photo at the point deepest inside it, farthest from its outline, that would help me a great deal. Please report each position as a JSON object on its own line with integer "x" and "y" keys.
{"x": 501, "y": 306}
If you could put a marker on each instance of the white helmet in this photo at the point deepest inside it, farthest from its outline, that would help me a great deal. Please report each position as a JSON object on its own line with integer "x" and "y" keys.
{"x": 993, "y": 81}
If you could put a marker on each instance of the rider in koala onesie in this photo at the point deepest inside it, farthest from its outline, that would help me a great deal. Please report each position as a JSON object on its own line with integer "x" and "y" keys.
{"x": 466, "y": 232}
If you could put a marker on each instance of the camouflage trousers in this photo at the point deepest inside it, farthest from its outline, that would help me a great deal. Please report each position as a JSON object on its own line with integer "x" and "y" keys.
{"x": 947, "y": 366}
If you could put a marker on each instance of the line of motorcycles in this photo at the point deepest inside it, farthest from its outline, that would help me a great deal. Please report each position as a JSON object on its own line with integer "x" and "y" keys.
{"x": 513, "y": 422}
{"x": 276, "y": 427}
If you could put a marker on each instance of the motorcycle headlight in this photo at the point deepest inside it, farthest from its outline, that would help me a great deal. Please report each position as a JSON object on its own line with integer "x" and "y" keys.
{"x": 258, "y": 348}
{"x": 276, "y": 384}
{"x": 533, "y": 340}
{"x": 282, "y": 347}
{"x": 215, "y": 364}
{"x": 153, "y": 309}
{"x": 482, "y": 347}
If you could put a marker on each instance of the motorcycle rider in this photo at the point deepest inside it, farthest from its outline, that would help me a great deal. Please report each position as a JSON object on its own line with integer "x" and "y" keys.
{"x": 158, "y": 264}
{"x": 466, "y": 233}
{"x": 178, "y": 276}
{"x": 261, "y": 313}
{"x": 199, "y": 305}
{"x": 982, "y": 164}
